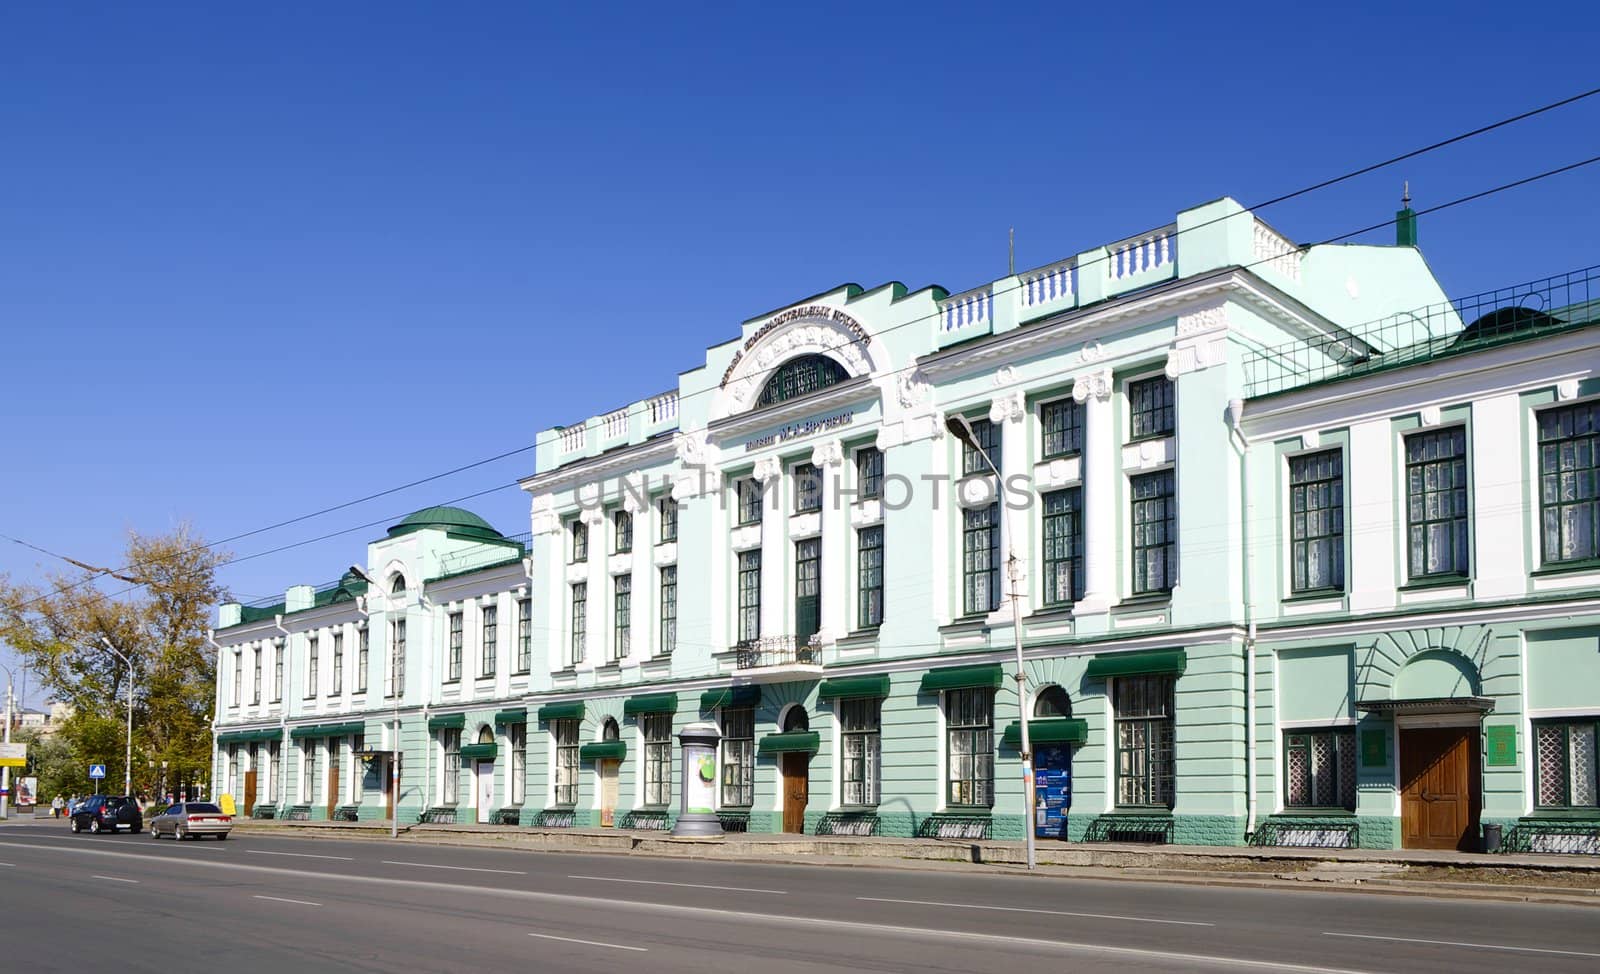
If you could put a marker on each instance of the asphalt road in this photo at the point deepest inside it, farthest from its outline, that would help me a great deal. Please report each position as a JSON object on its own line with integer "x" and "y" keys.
{"x": 265, "y": 903}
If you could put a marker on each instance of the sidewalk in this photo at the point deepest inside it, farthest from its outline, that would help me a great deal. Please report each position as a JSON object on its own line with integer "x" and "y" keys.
{"x": 1521, "y": 877}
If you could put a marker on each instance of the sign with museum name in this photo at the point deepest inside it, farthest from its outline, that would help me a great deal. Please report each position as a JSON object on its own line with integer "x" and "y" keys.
{"x": 796, "y": 430}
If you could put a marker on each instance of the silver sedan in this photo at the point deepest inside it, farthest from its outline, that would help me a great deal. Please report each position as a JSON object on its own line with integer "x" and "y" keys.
{"x": 186, "y": 819}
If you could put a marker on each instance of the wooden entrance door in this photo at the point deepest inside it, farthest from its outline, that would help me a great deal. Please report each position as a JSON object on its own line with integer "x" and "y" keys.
{"x": 796, "y": 791}
{"x": 608, "y": 793}
{"x": 333, "y": 777}
{"x": 1439, "y": 794}
{"x": 249, "y": 793}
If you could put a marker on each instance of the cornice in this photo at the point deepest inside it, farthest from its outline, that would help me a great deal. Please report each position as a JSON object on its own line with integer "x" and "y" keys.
{"x": 581, "y": 471}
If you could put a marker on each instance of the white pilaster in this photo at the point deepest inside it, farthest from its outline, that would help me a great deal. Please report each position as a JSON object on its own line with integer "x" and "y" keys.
{"x": 1100, "y": 468}
{"x": 837, "y": 540}
{"x": 1370, "y": 524}
{"x": 1500, "y": 515}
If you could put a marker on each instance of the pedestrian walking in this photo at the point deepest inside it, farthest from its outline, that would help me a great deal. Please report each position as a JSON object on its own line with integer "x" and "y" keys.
{"x": 56, "y": 804}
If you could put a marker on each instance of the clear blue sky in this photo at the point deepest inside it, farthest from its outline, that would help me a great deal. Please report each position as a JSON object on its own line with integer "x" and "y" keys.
{"x": 232, "y": 242}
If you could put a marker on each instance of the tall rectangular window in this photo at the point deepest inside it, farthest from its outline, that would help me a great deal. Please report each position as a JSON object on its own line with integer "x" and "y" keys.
{"x": 980, "y": 566}
{"x": 869, "y": 473}
{"x": 255, "y": 674}
{"x": 1569, "y": 483}
{"x": 579, "y": 533}
{"x": 363, "y": 657}
{"x": 807, "y": 488}
{"x": 622, "y": 531}
{"x": 1155, "y": 517}
{"x": 278, "y": 649}
{"x": 397, "y": 658}
{"x": 311, "y": 666}
{"x": 1436, "y": 503}
{"x": 238, "y": 676}
{"x": 1062, "y": 425}
{"x": 517, "y": 737}
{"x": 457, "y": 638}
{"x": 657, "y": 758}
{"x": 1150, "y": 408}
{"x": 621, "y": 616}
{"x": 308, "y": 772}
{"x": 1142, "y": 708}
{"x": 450, "y": 743}
{"x": 987, "y": 435}
{"x": 807, "y": 589}
{"x": 750, "y": 594}
{"x": 524, "y": 635}
{"x": 1320, "y": 769}
{"x": 1565, "y": 754}
{"x": 580, "y": 621}
{"x": 869, "y": 577}
{"x": 566, "y": 735}
{"x": 859, "y": 727}
{"x": 491, "y": 640}
{"x": 969, "y": 746}
{"x": 1316, "y": 521}
{"x": 1063, "y": 546}
{"x": 338, "y": 663}
{"x": 738, "y": 757}
{"x": 669, "y": 610}
{"x": 749, "y": 490}
{"x": 667, "y": 514}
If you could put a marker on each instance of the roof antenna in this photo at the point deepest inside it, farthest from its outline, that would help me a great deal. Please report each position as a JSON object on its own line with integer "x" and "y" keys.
{"x": 1011, "y": 262}
{"x": 1405, "y": 195}
{"x": 1405, "y": 221}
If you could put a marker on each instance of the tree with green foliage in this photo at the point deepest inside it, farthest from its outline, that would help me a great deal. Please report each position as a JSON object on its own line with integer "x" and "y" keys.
{"x": 60, "y": 629}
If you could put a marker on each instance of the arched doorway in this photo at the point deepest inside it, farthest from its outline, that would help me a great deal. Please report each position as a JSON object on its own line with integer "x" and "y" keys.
{"x": 608, "y": 769}
{"x": 483, "y": 777}
{"x": 796, "y": 770}
{"x": 1052, "y": 763}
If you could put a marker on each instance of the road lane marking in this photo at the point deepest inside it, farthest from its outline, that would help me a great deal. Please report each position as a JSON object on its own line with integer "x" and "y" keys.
{"x": 280, "y": 899}
{"x": 1019, "y": 909}
{"x": 591, "y": 943}
{"x": 1458, "y": 943}
{"x": 300, "y": 855}
{"x": 116, "y": 879}
{"x": 655, "y": 882}
{"x": 465, "y": 869}
{"x": 922, "y": 934}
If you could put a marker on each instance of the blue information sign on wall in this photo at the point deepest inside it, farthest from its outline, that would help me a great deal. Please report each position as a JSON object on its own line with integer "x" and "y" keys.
{"x": 1052, "y": 791}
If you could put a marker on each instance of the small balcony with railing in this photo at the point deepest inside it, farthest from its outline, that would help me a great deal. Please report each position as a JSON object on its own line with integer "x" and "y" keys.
{"x": 782, "y": 654}
{"x": 1523, "y": 312}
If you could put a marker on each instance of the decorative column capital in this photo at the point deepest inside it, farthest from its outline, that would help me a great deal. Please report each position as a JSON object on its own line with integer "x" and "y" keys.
{"x": 1009, "y": 407}
{"x": 767, "y": 469}
{"x": 828, "y": 454}
{"x": 1096, "y": 385}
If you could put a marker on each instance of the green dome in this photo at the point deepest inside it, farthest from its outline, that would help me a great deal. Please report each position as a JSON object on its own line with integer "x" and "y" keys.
{"x": 454, "y": 520}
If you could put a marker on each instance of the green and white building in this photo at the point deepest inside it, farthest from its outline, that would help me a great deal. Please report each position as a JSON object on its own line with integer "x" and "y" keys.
{"x": 1304, "y": 553}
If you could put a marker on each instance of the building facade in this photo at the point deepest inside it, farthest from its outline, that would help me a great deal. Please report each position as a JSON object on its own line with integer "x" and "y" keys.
{"x": 1298, "y": 553}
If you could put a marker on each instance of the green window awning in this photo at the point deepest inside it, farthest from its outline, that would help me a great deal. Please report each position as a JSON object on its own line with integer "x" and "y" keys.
{"x": 517, "y": 716}
{"x": 604, "y": 751}
{"x": 791, "y": 742}
{"x": 1048, "y": 730}
{"x": 479, "y": 752}
{"x": 572, "y": 710}
{"x": 327, "y": 730}
{"x": 447, "y": 722}
{"x": 250, "y": 736}
{"x": 963, "y": 678}
{"x": 854, "y": 686}
{"x": 1152, "y": 662}
{"x": 744, "y": 696}
{"x": 651, "y": 703}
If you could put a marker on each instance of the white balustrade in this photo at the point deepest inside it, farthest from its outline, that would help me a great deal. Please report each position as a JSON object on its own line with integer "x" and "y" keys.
{"x": 615, "y": 423}
{"x": 1048, "y": 284}
{"x": 1270, "y": 248}
{"x": 974, "y": 307}
{"x": 663, "y": 407}
{"x": 573, "y": 439}
{"x": 1139, "y": 254}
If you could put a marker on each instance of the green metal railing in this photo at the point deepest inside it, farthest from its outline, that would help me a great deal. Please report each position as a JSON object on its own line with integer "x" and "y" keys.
{"x": 1502, "y": 316}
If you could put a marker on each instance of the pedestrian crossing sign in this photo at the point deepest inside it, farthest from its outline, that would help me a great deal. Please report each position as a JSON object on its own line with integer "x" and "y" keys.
{"x": 97, "y": 771}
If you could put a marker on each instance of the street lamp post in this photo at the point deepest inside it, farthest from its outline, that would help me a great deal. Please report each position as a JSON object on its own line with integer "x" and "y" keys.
{"x": 127, "y": 761}
{"x": 394, "y": 754}
{"x": 5, "y": 772}
{"x": 962, "y": 430}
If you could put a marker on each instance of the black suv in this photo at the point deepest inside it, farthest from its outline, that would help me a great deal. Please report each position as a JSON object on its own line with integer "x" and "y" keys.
{"x": 108, "y": 813}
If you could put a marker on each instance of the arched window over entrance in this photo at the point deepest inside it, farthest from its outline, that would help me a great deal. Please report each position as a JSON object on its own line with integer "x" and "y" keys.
{"x": 609, "y": 730}
{"x": 485, "y": 736}
{"x": 397, "y": 584}
{"x": 796, "y": 719}
{"x": 1052, "y": 701}
{"x": 801, "y": 376}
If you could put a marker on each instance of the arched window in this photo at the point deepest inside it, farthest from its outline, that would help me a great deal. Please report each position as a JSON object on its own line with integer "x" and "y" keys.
{"x": 1052, "y": 701}
{"x": 485, "y": 735}
{"x": 801, "y": 376}
{"x": 609, "y": 730}
{"x": 795, "y": 719}
{"x": 397, "y": 584}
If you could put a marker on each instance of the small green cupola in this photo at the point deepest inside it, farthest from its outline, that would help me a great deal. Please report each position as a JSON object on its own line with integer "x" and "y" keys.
{"x": 454, "y": 521}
